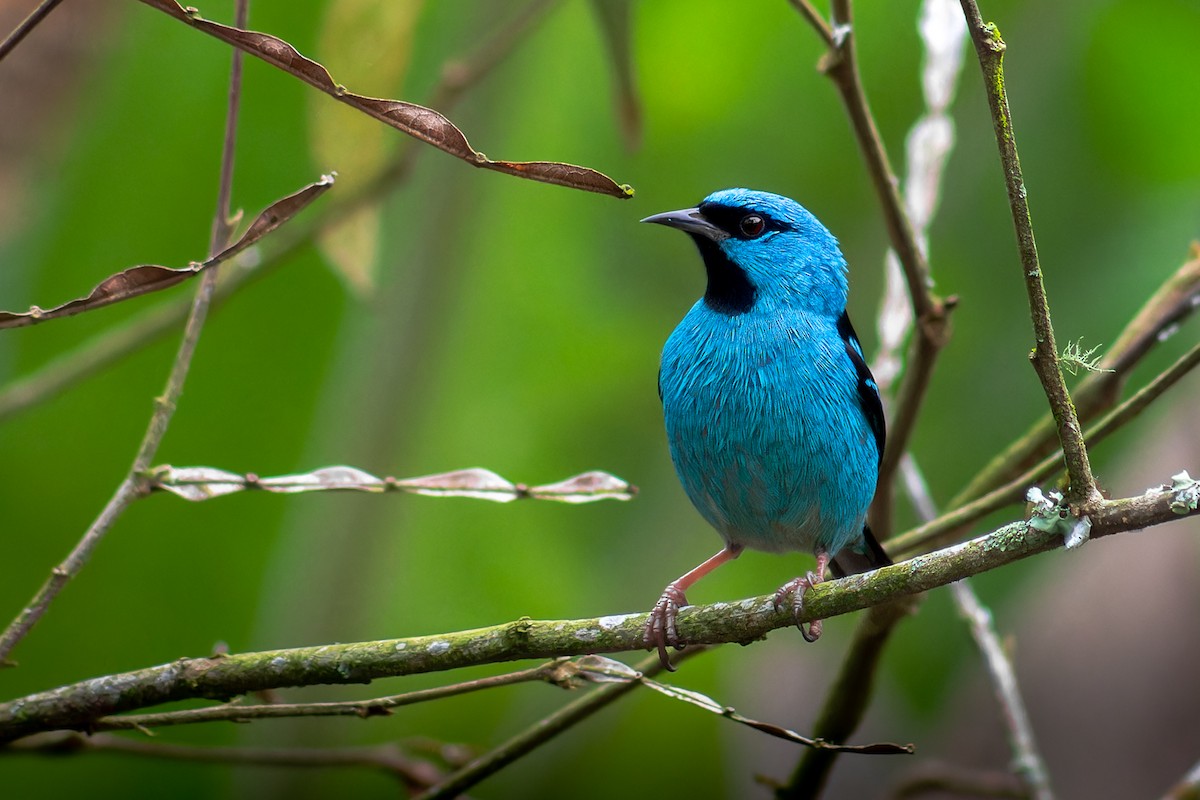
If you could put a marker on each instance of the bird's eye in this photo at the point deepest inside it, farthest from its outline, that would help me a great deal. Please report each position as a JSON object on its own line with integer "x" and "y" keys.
{"x": 752, "y": 226}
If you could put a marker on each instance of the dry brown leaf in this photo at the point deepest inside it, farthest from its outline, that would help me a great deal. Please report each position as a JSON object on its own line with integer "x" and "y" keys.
{"x": 204, "y": 483}
{"x": 417, "y": 121}
{"x": 146, "y": 278}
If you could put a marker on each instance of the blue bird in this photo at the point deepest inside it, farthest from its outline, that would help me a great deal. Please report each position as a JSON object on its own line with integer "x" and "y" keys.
{"x": 773, "y": 418}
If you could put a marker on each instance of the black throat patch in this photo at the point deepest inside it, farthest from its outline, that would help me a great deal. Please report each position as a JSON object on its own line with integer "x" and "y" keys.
{"x": 729, "y": 290}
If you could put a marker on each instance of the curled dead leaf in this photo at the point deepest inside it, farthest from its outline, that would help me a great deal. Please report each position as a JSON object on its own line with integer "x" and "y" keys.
{"x": 417, "y": 121}
{"x": 147, "y": 278}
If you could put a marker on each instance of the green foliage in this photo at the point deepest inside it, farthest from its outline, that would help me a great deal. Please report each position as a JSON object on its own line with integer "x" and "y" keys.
{"x": 516, "y": 326}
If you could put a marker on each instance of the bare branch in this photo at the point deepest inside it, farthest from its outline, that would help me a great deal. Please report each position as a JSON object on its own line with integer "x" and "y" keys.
{"x": 536, "y": 735}
{"x": 1027, "y": 760}
{"x": 93, "y": 356}
{"x": 134, "y": 486}
{"x": 990, "y": 49}
{"x": 77, "y": 705}
{"x": 1176, "y": 300}
{"x": 950, "y": 524}
{"x": 560, "y": 672}
{"x": 840, "y": 63}
{"x": 28, "y": 24}
{"x": 413, "y": 773}
{"x": 814, "y": 18}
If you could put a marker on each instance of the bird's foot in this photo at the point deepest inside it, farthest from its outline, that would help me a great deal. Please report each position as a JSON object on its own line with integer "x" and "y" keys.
{"x": 796, "y": 587}
{"x": 660, "y": 628}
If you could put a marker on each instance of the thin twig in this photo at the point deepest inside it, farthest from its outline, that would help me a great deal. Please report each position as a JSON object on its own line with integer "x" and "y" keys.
{"x": 1027, "y": 760}
{"x": 77, "y": 705}
{"x": 424, "y": 124}
{"x": 990, "y": 48}
{"x": 134, "y": 485}
{"x": 928, "y": 146}
{"x": 204, "y": 483}
{"x": 848, "y": 698}
{"x": 536, "y": 735}
{"x": 814, "y": 18}
{"x": 559, "y": 672}
{"x": 948, "y": 525}
{"x": 415, "y": 774}
{"x": 932, "y": 313}
{"x": 1173, "y": 302}
{"x": 28, "y": 24}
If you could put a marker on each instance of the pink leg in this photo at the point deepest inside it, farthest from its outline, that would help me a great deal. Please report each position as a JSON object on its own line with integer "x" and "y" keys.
{"x": 796, "y": 587}
{"x": 660, "y": 628}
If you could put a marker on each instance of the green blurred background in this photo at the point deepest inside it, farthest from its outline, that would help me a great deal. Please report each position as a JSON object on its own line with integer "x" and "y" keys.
{"x": 496, "y": 322}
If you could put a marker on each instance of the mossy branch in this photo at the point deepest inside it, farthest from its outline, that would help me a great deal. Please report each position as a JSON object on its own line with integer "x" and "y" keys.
{"x": 1171, "y": 304}
{"x": 75, "y": 706}
{"x": 990, "y": 47}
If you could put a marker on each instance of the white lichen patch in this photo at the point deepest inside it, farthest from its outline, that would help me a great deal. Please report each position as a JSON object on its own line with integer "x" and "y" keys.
{"x": 279, "y": 663}
{"x": 400, "y": 646}
{"x": 1187, "y": 493}
{"x": 587, "y": 634}
{"x": 1080, "y": 532}
{"x": 439, "y": 647}
{"x": 614, "y": 621}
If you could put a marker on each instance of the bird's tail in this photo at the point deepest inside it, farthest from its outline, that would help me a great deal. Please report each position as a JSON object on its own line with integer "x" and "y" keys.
{"x": 851, "y": 562}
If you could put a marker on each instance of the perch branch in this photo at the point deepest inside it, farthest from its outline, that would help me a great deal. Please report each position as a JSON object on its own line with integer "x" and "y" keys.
{"x": 77, "y": 705}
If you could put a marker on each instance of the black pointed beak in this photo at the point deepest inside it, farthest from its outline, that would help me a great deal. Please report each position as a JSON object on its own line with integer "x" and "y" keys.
{"x": 689, "y": 220}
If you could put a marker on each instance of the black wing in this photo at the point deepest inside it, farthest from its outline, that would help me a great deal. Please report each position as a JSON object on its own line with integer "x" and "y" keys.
{"x": 868, "y": 391}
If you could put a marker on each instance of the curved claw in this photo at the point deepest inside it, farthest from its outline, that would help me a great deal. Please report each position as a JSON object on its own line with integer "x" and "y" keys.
{"x": 796, "y": 587}
{"x": 660, "y": 628}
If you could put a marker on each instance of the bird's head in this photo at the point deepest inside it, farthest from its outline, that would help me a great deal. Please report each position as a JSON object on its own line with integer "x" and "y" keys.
{"x": 761, "y": 247}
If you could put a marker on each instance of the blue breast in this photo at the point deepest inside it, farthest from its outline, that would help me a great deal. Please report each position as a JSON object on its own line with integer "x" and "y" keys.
{"x": 766, "y": 429}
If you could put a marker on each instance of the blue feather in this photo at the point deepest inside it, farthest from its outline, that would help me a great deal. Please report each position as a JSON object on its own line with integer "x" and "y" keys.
{"x": 773, "y": 419}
